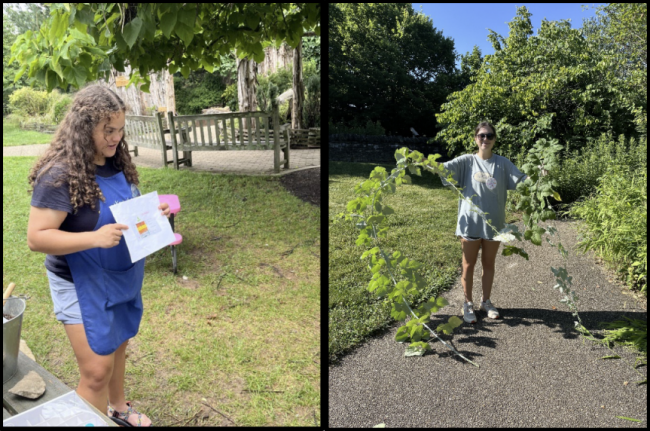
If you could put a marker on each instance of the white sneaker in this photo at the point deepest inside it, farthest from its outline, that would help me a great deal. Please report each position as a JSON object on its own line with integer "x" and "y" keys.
{"x": 468, "y": 312}
{"x": 490, "y": 309}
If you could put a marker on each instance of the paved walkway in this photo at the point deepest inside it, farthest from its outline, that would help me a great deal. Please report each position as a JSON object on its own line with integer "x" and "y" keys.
{"x": 535, "y": 369}
{"x": 225, "y": 162}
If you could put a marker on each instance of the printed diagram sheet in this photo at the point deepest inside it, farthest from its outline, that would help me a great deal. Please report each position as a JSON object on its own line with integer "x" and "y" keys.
{"x": 149, "y": 230}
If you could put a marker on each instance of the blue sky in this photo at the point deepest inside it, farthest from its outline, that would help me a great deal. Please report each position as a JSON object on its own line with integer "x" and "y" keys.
{"x": 468, "y": 23}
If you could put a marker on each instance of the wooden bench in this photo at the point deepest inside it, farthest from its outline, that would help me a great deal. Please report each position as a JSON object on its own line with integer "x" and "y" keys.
{"x": 307, "y": 138}
{"x": 54, "y": 388}
{"x": 209, "y": 132}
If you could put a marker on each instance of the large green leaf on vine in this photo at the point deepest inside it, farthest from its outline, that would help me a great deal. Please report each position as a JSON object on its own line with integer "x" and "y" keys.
{"x": 416, "y": 349}
{"x": 399, "y": 311}
{"x": 510, "y": 249}
{"x": 448, "y": 327}
{"x": 434, "y": 304}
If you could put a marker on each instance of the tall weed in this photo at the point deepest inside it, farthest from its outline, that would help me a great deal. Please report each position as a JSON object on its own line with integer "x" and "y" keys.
{"x": 615, "y": 225}
{"x": 582, "y": 170}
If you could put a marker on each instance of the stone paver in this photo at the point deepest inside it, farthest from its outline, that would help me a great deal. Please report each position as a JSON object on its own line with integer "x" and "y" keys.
{"x": 226, "y": 162}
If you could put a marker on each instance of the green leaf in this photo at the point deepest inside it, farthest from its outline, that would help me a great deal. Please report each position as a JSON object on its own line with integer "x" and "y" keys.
{"x": 375, "y": 219}
{"x": 402, "y": 334}
{"x": 436, "y": 305}
{"x": 59, "y": 26}
{"x": 415, "y": 349}
{"x": 399, "y": 311}
{"x": 448, "y": 328}
{"x": 132, "y": 31}
{"x": 185, "y": 24}
{"x": 628, "y": 419}
{"x": 167, "y": 23}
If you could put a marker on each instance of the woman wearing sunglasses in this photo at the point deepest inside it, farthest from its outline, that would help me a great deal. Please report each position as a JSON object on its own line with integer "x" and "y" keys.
{"x": 485, "y": 178}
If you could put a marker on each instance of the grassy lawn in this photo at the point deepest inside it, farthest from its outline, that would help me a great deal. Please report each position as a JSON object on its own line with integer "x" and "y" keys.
{"x": 422, "y": 228}
{"x": 13, "y": 136}
{"x": 237, "y": 328}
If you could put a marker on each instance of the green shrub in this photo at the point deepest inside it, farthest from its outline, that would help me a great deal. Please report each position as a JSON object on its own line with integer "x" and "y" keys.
{"x": 309, "y": 69}
{"x": 29, "y": 101}
{"x": 58, "y": 107}
{"x": 6, "y": 107}
{"x": 200, "y": 91}
{"x": 370, "y": 129}
{"x": 581, "y": 171}
{"x": 615, "y": 219}
{"x": 267, "y": 94}
{"x": 285, "y": 108}
{"x": 311, "y": 110}
{"x": 230, "y": 98}
{"x": 282, "y": 78}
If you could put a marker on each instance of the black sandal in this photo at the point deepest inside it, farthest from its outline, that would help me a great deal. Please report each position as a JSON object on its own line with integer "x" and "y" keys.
{"x": 121, "y": 418}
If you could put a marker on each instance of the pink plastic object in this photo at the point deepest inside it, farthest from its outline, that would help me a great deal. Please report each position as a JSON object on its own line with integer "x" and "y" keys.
{"x": 179, "y": 239}
{"x": 172, "y": 200}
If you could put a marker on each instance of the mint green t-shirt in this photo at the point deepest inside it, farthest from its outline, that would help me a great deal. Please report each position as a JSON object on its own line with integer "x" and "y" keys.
{"x": 489, "y": 180}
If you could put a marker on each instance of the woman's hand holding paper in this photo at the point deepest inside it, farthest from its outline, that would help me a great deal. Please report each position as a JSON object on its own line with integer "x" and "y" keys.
{"x": 165, "y": 207}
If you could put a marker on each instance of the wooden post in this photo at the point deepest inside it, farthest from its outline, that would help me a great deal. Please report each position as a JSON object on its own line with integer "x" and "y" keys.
{"x": 162, "y": 138}
{"x": 172, "y": 132}
{"x": 276, "y": 139}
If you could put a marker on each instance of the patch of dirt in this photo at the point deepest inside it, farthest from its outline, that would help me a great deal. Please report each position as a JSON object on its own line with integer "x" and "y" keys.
{"x": 304, "y": 184}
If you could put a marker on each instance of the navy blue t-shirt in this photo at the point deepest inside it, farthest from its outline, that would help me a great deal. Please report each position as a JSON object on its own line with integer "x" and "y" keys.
{"x": 58, "y": 198}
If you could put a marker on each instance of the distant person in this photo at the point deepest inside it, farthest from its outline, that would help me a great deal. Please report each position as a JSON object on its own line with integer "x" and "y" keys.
{"x": 489, "y": 177}
{"x": 94, "y": 285}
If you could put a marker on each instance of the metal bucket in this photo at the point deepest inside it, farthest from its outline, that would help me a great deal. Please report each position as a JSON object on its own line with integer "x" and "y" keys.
{"x": 14, "y": 307}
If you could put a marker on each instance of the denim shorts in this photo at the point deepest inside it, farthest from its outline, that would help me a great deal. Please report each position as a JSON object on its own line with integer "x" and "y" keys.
{"x": 66, "y": 303}
{"x": 471, "y": 238}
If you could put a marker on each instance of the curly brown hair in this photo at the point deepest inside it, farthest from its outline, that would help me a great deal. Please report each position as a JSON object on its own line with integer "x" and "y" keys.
{"x": 73, "y": 147}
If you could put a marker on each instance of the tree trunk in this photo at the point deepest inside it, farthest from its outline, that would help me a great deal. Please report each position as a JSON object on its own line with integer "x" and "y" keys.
{"x": 246, "y": 86}
{"x": 161, "y": 92}
{"x": 170, "y": 94}
{"x": 298, "y": 89}
{"x": 275, "y": 59}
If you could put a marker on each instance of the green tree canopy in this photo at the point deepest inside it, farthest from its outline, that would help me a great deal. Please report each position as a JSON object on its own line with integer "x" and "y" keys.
{"x": 388, "y": 63}
{"x": 80, "y": 42}
{"x": 620, "y": 31}
{"x": 553, "y": 85}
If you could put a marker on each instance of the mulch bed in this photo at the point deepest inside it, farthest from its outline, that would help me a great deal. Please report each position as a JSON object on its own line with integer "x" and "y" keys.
{"x": 304, "y": 184}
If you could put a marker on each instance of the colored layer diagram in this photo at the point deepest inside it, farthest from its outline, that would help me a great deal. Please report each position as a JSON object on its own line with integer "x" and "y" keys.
{"x": 146, "y": 226}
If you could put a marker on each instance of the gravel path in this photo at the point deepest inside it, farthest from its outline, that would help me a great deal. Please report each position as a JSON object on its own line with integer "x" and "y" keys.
{"x": 535, "y": 369}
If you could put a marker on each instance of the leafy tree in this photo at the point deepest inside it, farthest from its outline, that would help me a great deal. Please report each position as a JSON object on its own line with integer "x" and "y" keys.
{"x": 81, "y": 42}
{"x": 14, "y": 22}
{"x": 620, "y": 31}
{"x": 387, "y": 63}
{"x": 554, "y": 85}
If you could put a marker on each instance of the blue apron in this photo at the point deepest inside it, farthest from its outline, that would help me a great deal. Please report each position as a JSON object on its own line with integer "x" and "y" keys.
{"x": 108, "y": 285}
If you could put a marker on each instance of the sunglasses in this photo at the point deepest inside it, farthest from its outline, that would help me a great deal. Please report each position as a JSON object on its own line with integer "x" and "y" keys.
{"x": 490, "y": 136}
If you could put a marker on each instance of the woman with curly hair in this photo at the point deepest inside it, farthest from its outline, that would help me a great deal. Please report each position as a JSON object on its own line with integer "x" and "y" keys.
{"x": 94, "y": 285}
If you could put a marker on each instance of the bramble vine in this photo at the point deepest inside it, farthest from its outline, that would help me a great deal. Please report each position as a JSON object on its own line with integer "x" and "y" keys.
{"x": 396, "y": 278}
